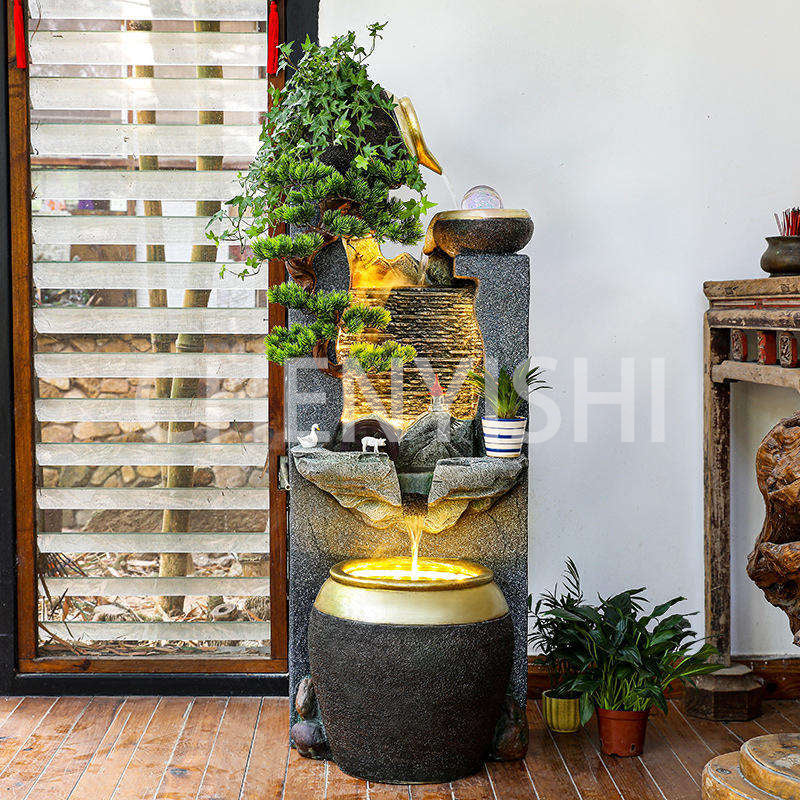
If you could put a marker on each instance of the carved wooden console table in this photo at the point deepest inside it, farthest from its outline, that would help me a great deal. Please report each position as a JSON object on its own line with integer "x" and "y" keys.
{"x": 750, "y": 334}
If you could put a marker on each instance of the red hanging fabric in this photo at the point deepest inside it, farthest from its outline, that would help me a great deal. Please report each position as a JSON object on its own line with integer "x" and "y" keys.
{"x": 272, "y": 39}
{"x": 19, "y": 35}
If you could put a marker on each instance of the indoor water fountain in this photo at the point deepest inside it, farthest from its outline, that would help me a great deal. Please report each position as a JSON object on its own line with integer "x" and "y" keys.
{"x": 416, "y": 555}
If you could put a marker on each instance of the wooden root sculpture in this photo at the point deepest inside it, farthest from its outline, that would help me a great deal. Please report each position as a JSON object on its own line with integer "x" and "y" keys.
{"x": 774, "y": 564}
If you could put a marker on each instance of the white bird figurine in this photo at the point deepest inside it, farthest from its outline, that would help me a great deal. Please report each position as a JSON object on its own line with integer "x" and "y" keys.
{"x": 310, "y": 440}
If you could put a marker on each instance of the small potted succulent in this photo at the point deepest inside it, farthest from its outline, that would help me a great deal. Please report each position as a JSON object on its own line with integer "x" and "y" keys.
{"x": 627, "y": 661}
{"x": 503, "y": 427}
{"x": 560, "y": 705}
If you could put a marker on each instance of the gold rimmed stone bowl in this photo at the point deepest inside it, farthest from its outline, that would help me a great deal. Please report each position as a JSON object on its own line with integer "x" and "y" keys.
{"x": 410, "y": 667}
{"x": 490, "y": 230}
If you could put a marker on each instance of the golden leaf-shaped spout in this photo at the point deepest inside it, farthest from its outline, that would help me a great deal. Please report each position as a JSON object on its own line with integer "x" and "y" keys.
{"x": 411, "y": 131}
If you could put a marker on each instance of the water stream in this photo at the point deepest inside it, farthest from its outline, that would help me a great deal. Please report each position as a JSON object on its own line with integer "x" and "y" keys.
{"x": 415, "y": 524}
{"x": 449, "y": 186}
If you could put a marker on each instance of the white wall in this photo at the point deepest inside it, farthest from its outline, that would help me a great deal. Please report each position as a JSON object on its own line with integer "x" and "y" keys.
{"x": 651, "y": 142}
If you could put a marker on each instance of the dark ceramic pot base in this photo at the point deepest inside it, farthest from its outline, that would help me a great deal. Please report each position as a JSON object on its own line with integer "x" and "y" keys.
{"x": 409, "y": 703}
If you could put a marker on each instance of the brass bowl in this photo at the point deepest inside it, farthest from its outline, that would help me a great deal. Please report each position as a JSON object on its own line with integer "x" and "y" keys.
{"x": 489, "y": 230}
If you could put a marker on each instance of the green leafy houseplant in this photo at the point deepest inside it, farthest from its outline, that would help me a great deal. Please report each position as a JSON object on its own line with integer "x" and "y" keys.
{"x": 503, "y": 428}
{"x": 560, "y": 704}
{"x": 547, "y": 631}
{"x": 506, "y": 393}
{"x": 627, "y": 660}
{"x": 330, "y": 158}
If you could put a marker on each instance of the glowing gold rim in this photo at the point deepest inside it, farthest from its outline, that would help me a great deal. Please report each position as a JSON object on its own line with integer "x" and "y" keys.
{"x": 480, "y": 576}
{"x": 485, "y": 213}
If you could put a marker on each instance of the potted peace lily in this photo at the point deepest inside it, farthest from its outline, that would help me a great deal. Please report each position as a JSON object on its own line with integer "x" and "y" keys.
{"x": 560, "y": 704}
{"x": 625, "y": 662}
{"x": 503, "y": 427}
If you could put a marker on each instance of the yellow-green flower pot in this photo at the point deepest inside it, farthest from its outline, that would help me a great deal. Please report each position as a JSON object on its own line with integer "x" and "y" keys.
{"x": 561, "y": 715}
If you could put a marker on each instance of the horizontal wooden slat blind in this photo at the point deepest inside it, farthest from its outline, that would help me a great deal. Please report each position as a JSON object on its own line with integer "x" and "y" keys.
{"x": 127, "y": 304}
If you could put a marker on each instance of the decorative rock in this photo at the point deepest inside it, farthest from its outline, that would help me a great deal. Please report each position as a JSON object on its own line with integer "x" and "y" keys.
{"x": 256, "y": 387}
{"x": 56, "y": 433}
{"x": 115, "y": 385}
{"x": 147, "y": 471}
{"x": 511, "y": 734}
{"x": 59, "y": 383}
{"x": 229, "y": 477}
{"x": 305, "y": 701}
{"x": 364, "y": 482}
{"x": 50, "y": 477}
{"x": 128, "y": 473}
{"x": 435, "y": 435}
{"x": 95, "y": 430}
{"x": 309, "y": 739}
{"x": 101, "y": 475}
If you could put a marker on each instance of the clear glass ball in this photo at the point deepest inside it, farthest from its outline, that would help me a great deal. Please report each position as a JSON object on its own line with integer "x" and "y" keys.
{"x": 481, "y": 196}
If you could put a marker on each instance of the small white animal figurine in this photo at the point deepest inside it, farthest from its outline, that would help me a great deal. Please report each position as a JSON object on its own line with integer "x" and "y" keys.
{"x": 371, "y": 441}
{"x": 310, "y": 440}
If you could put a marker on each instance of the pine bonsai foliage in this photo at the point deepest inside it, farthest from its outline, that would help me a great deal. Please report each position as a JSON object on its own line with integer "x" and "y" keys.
{"x": 329, "y": 160}
{"x": 332, "y": 312}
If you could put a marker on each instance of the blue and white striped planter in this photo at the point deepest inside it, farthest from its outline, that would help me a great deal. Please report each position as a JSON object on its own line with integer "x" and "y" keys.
{"x": 503, "y": 437}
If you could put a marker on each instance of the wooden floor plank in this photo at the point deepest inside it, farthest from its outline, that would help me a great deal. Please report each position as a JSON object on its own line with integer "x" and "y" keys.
{"x": 19, "y": 725}
{"x": 388, "y": 791}
{"x": 266, "y": 766}
{"x": 789, "y": 710}
{"x": 716, "y": 736}
{"x": 228, "y": 762}
{"x": 187, "y": 764}
{"x": 510, "y": 779}
{"x": 32, "y": 758}
{"x": 551, "y": 777}
{"x": 431, "y": 791}
{"x": 115, "y": 750}
{"x": 7, "y": 705}
{"x": 690, "y": 749}
{"x": 473, "y": 787}
{"x": 629, "y": 774}
{"x": 341, "y": 786}
{"x": 146, "y": 768}
{"x": 75, "y": 752}
{"x": 305, "y": 778}
{"x": 770, "y": 721}
{"x": 665, "y": 768}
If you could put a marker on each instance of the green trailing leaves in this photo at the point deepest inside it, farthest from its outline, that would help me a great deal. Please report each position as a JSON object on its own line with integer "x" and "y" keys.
{"x": 330, "y": 157}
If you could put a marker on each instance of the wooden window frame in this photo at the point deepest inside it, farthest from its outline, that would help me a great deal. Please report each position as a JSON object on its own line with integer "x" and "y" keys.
{"x": 21, "y": 669}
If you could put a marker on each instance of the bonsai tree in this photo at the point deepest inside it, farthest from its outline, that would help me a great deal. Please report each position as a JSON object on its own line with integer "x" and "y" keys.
{"x": 331, "y": 156}
{"x": 332, "y": 312}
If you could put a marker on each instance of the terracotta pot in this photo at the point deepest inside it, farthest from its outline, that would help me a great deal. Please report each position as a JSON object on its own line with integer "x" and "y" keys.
{"x": 561, "y": 714}
{"x": 621, "y": 732}
{"x": 782, "y": 256}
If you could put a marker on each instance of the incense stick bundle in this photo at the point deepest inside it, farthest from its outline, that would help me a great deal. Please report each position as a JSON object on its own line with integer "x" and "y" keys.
{"x": 789, "y": 222}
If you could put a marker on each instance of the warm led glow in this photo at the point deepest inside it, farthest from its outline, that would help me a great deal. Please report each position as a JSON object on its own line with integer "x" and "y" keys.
{"x": 400, "y": 569}
{"x": 370, "y": 269}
